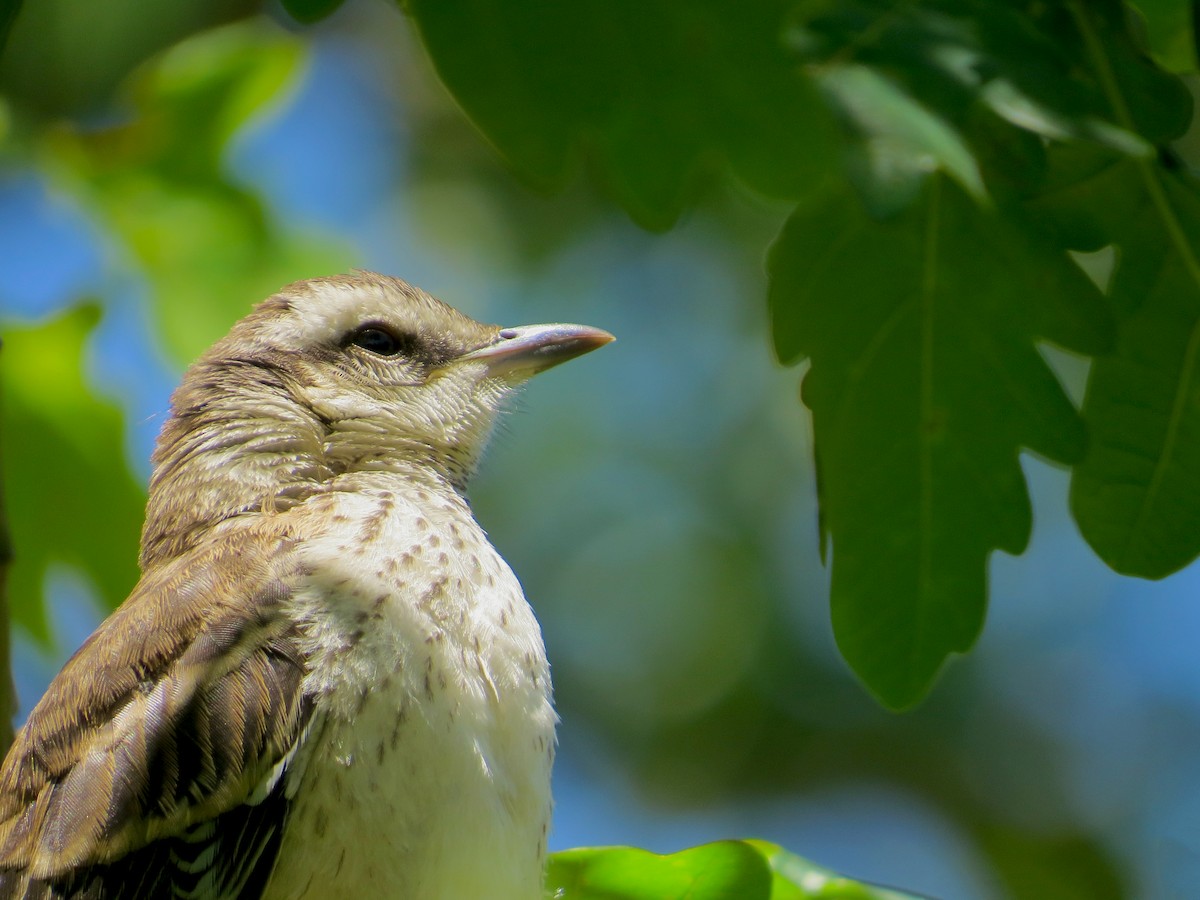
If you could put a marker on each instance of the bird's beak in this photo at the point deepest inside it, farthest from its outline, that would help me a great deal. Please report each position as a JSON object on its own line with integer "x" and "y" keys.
{"x": 521, "y": 352}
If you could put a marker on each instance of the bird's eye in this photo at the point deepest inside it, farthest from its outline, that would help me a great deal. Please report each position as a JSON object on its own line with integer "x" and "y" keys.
{"x": 378, "y": 340}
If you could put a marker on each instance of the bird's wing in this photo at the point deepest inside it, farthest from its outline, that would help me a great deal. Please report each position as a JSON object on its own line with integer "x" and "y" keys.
{"x": 155, "y": 765}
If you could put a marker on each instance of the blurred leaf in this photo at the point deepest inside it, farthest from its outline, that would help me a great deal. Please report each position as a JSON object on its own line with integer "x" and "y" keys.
{"x": 1067, "y": 867}
{"x": 1085, "y": 197}
{"x": 160, "y": 183}
{"x": 655, "y": 94}
{"x": 195, "y": 97}
{"x": 309, "y": 11}
{"x": 925, "y": 383}
{"x": 68, "y": 56}
{"x": 1140, "y": 96}
{"x": 902, "y": 141}
{"x": 71, "y": 497}
{"x": 1171, "y": 28}
{"x": 210, "y": 257}
{"x": 9, "y": 9}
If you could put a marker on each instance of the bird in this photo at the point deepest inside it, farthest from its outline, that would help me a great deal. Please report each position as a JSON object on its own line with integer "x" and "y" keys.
{"x": 327, "y": 683}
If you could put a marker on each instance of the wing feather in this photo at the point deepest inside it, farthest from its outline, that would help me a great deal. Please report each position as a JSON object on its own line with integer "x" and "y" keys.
{"x": 155, "y": 765}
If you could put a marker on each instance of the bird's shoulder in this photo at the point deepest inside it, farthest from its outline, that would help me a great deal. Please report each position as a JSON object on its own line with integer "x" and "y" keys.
{"x": 185, "y": 703}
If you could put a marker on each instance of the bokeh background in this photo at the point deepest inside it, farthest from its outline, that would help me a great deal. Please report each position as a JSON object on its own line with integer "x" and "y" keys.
{"x": 657, "y": 498}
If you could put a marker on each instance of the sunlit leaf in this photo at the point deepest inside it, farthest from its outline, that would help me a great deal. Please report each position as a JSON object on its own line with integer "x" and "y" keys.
{"x": 746, "y": 870}
{"x": 715, "y": 871}
{"x": 796, "y": 878}
{"x": 71, "y": 497}
{"x": 925, "y": 384}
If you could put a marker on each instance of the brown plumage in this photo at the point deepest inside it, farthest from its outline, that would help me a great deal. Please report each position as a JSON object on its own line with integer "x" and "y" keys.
{"x": 326, "y": 680}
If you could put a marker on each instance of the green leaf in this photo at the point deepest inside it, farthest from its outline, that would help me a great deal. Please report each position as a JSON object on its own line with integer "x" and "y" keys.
{"x": 655, "y": 94}
{"x": 1170, "y": 26}
{"x": 716, "y": 871}
{"x": 8, "y": 14}
{"x": 902, "y": 141}
{"x": 925, "y": 384}
{"x": 68, "y": 57}
{"x": 71, "y": 497}
{"x": 1063, "y": 866}
{"x": 1019, "y": 61}
{"x": 724, "y": 870}
{"x": 1136, "y": 495}
{"x": 1085, "y": 199}
{"x": 796, "y": 878}
{"x": 309, "y": 11}
{"x": 1140, "y": 96}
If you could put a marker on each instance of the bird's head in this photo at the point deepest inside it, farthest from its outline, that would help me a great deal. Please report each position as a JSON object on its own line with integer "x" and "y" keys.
{"x": 351, "y": 373}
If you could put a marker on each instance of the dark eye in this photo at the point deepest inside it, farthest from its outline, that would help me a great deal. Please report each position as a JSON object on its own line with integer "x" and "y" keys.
{"x": 379, "y": 341}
